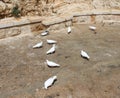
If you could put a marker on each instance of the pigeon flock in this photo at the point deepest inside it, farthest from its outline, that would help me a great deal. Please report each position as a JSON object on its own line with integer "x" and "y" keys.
{"x": 49, "y": 82}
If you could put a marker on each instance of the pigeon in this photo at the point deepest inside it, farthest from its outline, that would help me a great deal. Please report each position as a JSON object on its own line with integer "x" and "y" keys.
{"x": 50, "y": 82}
{"x": 51, "y": 50}
{"x": 44, "y": 33}
{"x": 69, "y": 30}
{"x": 38, "y": 45}
{"x": 51, "y": 41}
{"x": 85, "y": 55}
{"x": 52, "y": 64}
{"x": 92, "y": 28}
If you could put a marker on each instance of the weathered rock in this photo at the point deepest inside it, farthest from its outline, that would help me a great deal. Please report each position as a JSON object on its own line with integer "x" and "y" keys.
{"x": 25, "y": 29}
{"x": 106, "y": 4}
{"x": 82, "y": 19}
{"x": 13, "y": 32}
{"x": 9, "y": 6}
{"x": 2, "y": 33}
{"x": 6, "y": 1}
{"x": 2, "y": 6}
{"x": 56, "y": 7}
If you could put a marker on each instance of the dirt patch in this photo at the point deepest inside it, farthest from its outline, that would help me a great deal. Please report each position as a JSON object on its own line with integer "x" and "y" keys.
{"x": 23, "y": 71}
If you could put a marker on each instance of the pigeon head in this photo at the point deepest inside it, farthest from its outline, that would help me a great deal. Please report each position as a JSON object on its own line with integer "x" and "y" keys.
{"x": 54, "y": 77}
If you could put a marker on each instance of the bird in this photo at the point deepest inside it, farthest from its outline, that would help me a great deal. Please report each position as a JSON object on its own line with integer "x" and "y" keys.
{"x": 92, "y": 28}
{"x": 85, "y": 55}
{"x": 45, "y": 33}
{"x": 51, "y": 41}
{"x": 49, "y": 82}
{"x": 52, "y": 64}
{"x": 69, "y": 30}
{"x": 38, "y": 45}
{"x": 51, "y": 50}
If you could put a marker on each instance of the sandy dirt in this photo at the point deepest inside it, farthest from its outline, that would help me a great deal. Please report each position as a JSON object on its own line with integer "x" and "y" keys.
{"x": 23, "y": 71}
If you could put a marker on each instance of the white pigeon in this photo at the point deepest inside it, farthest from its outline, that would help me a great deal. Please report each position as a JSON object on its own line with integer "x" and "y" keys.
{"x": 44, "y": 33}
{"x": 84, "y": 55}
{"x": 92, "y": 28}
{"x": 38, "y": 45}
{"x": 49, "y": 82}
{"x": 51, "y": 41}
{"x": 51, "y": 50}
{"x": 69, "y": 30}
{"x": 52, "y": 64}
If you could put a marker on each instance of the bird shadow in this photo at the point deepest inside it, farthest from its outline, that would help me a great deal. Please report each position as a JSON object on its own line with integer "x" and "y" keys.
{"x": 53, "y": 66}
{"x": 85, "y": 58}
{"x": 51, "y": 53}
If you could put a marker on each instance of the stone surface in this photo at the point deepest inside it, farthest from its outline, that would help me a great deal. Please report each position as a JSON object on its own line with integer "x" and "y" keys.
{"x": 106, "y": 4}
{"x": 25, "y": 29}
{"x": 82, "y": 20}
{"x": 53, "y": 20}
{"x": 2, "y": 33}
{"x": 7, "y": 1}
{"x": 23, "y": 71}
{"x": 55, "y": 7}
{"x": 2, "y": 6}
{"x": 57, "y": 14}
{"x": 13, "y": 31}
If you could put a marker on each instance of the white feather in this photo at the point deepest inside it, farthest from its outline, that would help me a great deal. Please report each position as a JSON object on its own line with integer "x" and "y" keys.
{"x": 44, "y": 33}
{"x": 84, "y": 54}
{"x": 49, "y": 82}
{"x": 38, "y": 45}
{"x": 51, "y": 63}
{"x": 92, "y": 27}
{"x": 51, "y": 50}
{"x": 51, "y": 41}
{"x": 69, "y": 29}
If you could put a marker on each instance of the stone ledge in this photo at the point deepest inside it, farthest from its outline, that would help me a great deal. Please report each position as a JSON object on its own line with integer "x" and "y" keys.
{"x": 69, "y": 16}
{"x": 12, "y": 22}
{"x": 57, "y": 19}
{"x": 111, "y": 21}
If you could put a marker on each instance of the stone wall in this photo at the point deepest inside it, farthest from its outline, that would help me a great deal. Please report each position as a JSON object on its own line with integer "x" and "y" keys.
{"x": 38, "y": 15}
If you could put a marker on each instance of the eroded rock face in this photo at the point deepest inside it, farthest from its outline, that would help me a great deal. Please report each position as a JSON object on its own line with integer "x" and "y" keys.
{"x": 105, "y": 4}
{"x": 53, "y": 7}
{"x": 7, "y": 1}
{"x": 2, "y": 6}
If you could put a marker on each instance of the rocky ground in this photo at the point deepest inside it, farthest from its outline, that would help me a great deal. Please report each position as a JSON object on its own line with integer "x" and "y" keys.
{"x": 23, "y": 71}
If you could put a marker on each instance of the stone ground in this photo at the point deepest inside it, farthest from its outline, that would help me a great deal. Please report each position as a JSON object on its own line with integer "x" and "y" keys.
{"x": 23, "y": 72}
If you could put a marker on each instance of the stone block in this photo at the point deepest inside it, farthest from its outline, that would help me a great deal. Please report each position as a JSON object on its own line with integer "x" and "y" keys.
{"x": 57, "y": 26}
{"x": 53, "y": 20}
{"x": 115, "y": 12}
{"x": 21, "y": 21}
{"x": 82, "y": 19}
{"x": 2, "y": 33}
{"x": 35, "y": 19}
{"x": 6, "y": 24}
{"x": 99, "y": 18}
{"x": 101, "y": 12}
{"x": 25, "y": 29}
{"x": 13, "y": 31}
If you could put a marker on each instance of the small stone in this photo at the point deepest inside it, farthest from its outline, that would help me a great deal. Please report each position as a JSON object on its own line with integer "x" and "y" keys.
{"x": 37, "y": 90}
